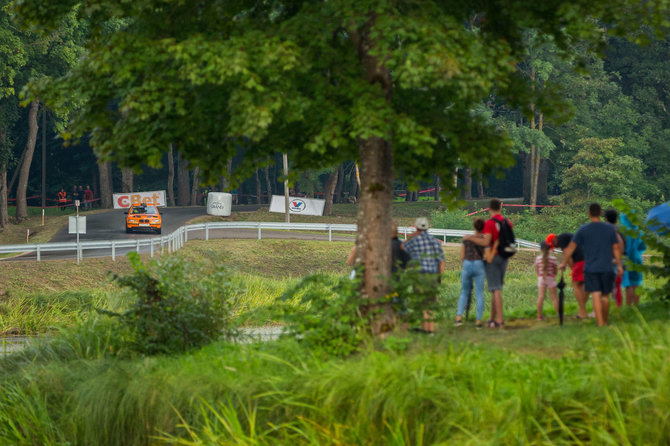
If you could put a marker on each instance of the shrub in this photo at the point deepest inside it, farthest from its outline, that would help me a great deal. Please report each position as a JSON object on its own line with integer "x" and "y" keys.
{"x": 176, "y": 307}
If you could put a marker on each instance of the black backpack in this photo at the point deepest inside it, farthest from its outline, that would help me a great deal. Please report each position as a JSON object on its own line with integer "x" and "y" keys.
{"x": 506, "y": 239}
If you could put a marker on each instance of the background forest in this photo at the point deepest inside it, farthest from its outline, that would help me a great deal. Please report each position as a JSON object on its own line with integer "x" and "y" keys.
{"x": 613, "y": 141}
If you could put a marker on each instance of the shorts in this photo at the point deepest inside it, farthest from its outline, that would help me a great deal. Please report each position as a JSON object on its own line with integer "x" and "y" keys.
{"x": 549, "y": 282}
{"x": 599, "y": 282}
{"x": 578, "y": 271}
{"x": 631, "y": 278}
{"x": 495, "y": 273}
{"x": 432, "y": 277}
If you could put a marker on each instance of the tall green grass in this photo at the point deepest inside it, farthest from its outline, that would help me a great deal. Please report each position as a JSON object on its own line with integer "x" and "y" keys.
{"x": 614, "y": 389}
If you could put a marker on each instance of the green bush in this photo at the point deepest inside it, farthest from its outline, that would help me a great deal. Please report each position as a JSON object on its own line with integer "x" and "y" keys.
{"x": 176, "y": 307}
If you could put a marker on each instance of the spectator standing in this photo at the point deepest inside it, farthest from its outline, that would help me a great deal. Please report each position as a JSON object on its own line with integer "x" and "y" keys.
{"x": 88, "y": 197}
{"x": 497, "y": 266}
{"x": 601, "y": 247}
{"x": 62, "y": 199}
{"x": 576, "y": 264}
{"x": 473, "y": 270}
{"x": 635, "y": 247}
{"x": 546, "y": 268}
{"x": 611, "y": 217}
{"x": 75, "y": 196}
{"x": 428, "y": 251}
{"x": 399, "y": 257}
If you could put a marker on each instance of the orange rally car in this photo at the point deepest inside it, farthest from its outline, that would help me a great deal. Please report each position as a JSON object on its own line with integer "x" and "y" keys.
{"x": 143, "y": 216}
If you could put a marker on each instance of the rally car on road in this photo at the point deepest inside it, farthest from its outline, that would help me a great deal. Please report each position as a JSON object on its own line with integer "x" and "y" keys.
{"x": 143, "y": 217}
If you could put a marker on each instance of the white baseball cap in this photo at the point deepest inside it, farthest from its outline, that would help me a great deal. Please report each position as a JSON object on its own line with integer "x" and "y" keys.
{"x": 422, "y": 223}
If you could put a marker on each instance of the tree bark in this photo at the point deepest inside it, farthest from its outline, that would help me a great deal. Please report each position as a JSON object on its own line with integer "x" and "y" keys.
{"x": 170, "y": 179}
{"x": 259, "y": 188}
{"x": 194, "y": 190}
{"x": 183, "y": 183}
{"x": 4, "y": 211}
{"x": 525, "y": 165}
{"x": 268, "y": 182}
{"x": 480, "y": 189}
{"x": 408, "y": 194}
{"x": 339, "y": 186}
{"x": 536, "y": 169}
{"x": 225, "y": 179}
{"x": 22, "y": 186}
{"x": 127, "y": 180}
{"x": 329, "y": 192}
{"x": 436, "y": 193}
{"x": 105, "y": 184}
{"x": 467, "y": 191}
{"x": 542, "y": 186}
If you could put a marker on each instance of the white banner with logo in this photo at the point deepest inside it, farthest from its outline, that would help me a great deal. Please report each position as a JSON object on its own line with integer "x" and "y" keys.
{"x": 297, "y": 205}
{"x": 153, "y": 198}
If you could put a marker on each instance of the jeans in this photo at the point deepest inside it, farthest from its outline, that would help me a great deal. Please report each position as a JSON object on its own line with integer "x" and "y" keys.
{"x": 472, "y": 270}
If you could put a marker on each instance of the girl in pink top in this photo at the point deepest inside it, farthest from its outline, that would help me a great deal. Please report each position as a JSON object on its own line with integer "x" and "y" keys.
{"x": 546, "y": 267}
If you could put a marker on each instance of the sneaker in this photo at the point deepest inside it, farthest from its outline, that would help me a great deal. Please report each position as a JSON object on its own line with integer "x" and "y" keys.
{"x": 458, "y": 322}
{"x": 479, "y": 324}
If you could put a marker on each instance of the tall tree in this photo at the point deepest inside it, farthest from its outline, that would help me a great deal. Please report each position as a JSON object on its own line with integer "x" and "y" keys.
{"x": 183, "y": 181}
{"x": 105, "y": 175}
{"x": 127, "y": 180}
{"x": 329, "y": 191}
{"x": 170, "y": 180}
{"x": 392, "y": 84}
{"x": 22, "y": 186}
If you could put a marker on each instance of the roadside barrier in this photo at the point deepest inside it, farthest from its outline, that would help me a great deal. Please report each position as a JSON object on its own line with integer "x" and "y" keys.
{"x": 176, "y": 240}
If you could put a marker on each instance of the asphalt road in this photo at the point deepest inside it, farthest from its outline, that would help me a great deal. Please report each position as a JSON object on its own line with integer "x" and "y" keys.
{"x": 111, "y": 226}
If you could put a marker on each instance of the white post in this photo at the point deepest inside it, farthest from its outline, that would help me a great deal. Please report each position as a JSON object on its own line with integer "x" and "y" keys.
{"x": 259, "y": 230}
{"x": 113, "y": 251}
{"x": 38, "y": 253}
{"x": 137, "y": 245}
{"x": 330, "y": 233}
{"x": 151, "y": 247}
{"x": 206, "y": 231}
{"x": 185, "y": 235}
{"x": 76, "y": 229}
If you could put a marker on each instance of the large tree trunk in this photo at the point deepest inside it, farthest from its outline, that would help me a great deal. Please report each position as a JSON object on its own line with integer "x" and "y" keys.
{"x": 225, "y": 179}
{"x": 183, "y": 183}
{"x": 339, "y": 186}
{"x": 525, "y": 165}
{"x": 4, "y": 211}
{"x": 268, "y": 181}
{"x": 22, "y": 186}
{"x": 468, "y": 184}
{"x": 194, "y": 189}
{"x": 536, "y": 169}
{"x": 436, "y": 192}
{"x": 542, "y": 185}
{"x": 127, "y": 180}
{"x": 170, "y": 179}
{"x": 329, "y": 192}
{"x": 105, "y": 184}
{"x": 408, "y": 194}
{"x": 480, "y": 189}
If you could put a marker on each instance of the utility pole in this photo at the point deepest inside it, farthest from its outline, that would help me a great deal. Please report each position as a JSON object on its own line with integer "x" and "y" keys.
{"x": 286, "y": 197}
{"x": 44, "y": 160}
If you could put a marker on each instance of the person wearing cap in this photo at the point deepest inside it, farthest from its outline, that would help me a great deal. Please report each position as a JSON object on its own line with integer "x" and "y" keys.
{"x": 428, "y": 251}
{"x": 601, "y": 247}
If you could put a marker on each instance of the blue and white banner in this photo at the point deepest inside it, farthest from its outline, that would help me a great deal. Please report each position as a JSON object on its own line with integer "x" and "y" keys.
{"x": 297, "y": 205}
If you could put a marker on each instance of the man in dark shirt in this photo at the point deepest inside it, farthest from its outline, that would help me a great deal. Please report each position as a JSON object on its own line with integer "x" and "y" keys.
{"x": 576, "y": 264}
{"x": 601, "y": 246}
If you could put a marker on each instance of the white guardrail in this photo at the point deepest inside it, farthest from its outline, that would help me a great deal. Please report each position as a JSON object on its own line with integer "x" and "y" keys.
{"x": 176, "y": 240}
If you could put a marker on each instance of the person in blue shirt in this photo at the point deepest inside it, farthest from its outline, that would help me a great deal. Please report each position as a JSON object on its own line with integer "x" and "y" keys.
{"x": 635, "y": 247}
{"x": 600, "y": 244}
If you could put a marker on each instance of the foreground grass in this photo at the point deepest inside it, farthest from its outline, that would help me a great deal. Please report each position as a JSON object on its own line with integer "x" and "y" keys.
{"x": 613, "y": 388}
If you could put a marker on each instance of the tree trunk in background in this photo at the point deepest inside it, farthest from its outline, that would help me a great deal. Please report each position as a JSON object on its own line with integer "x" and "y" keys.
{"x": 4, "y": 211}
{"x": 436, "y": 193}
{"x": 183, "y": 182}
{"x": 22, "y": 186}
{"x": 468, "y": 184}
{"x": 408, "y": 194}
{"x": 127, "y": 180}
{"x": 480, "y": 189}
{"x": 353, "y": 187}
{"x": 225, "y": 179}
{"x": 104, "y": 173}
{"x": 542, "y": 185}
{"x": 170, "y": 179}
{"x": 525, "y": 163}
{"x": 536, "y": 168}
{"x": 268, "y": 182}
{"x": 329, "y": 192}
{"x": 196, "y": 185}
{"x": 339, "y": 186}
{"x": 259, "y": 188}
{"x": 15, "y": 175}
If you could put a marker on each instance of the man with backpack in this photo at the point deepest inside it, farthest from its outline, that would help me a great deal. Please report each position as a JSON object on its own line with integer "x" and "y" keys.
{"x": 499, "y": 237}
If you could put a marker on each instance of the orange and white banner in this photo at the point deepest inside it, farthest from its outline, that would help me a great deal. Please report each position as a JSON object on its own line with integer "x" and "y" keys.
{"x": 155, "y": 198}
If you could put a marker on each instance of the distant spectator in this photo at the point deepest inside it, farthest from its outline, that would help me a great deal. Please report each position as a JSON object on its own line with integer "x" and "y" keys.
{"x": 473, "y": 270}
{"x": 601, "y": 245}
{"x": 576, "y": 264}
{"x": 62, "y": 199}
{"x": 635, "y": 247}
{"x": 496, "y": 265}
{"x": 546, "y": 268}
{"x": 88, "y": 197}
{"x": 399, "y": 257}
{"x": 428, "y": 251}
{"x": 611, "y": 217}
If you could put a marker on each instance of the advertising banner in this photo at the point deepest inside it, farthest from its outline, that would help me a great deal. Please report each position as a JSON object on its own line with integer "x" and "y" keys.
{"x": 219, "y": 203}
{"x": 155, "y": 198}
{"x": 298, "y": 205}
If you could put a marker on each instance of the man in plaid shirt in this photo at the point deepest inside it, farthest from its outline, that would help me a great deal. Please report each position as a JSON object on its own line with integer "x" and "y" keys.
{"x": 428, "y": 251}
